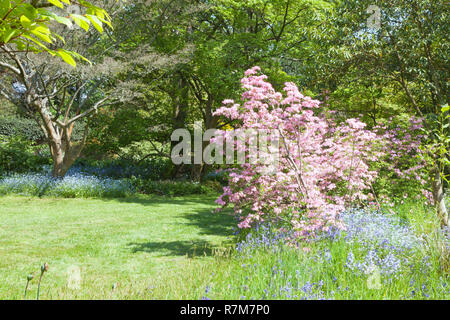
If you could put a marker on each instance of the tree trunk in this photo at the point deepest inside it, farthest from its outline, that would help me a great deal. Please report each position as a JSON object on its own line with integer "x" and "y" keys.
{"x": 439, "y": 199}
{"x": 59, "y": 168}
{"x": 180, "y": 104}
{"x": 198, "y": 170}
{"x": 180, "y": 109}
{"x": 64, "y": 152}
{"x": 58, "y": 159}
{"x": 63, "y": 158}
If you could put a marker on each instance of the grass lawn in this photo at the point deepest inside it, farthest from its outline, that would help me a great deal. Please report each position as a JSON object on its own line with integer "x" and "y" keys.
{"x": 151, "y": 247}
{"x": 144, "y": 247}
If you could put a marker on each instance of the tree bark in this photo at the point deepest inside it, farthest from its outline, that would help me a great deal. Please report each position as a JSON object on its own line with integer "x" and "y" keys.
{"x": 439, "y": 199}
{"x": 180, "y": 105}
{"x": 60, "y": 166}
{"x": 64, "y": 159}
{"x": 64, "y": 155}
{"x": 64, "y": 152}
{"x": 198, "y": 170}
{"x": 180, "y": 109}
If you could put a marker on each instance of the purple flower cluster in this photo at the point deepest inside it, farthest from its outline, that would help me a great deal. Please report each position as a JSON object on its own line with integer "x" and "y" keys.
{"x": 382, "y": 230}
{"x": 264, "y": 236}
{"x": 72, "y": 185}
{"x": 389, "y": 265}
{"x": 385, "y": 243}
{"x": 375, "y": 242}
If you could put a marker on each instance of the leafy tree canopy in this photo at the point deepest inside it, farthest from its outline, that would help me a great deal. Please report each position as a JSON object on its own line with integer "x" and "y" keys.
{"x": 30, "y": 25}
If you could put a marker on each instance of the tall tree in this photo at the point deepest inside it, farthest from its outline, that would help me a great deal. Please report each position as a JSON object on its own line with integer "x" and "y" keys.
{"x": 231, "y": 36}
{"x": 52, "y": 92}
{"x": 402, "y": 44}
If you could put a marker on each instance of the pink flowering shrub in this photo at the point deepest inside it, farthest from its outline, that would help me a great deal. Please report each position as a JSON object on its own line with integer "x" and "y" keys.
{"x": 323, "y": 166}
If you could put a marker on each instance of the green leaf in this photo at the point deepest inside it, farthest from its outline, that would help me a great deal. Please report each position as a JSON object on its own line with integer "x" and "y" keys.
{"x": 67, "y": 57}
{"x": 26, "y": 23}
{"x": 41, "y": 36}
{"x": 59, "y": 37}
{"x": 4, "y": 7}
{"x": 56, "y": 3}
{"x": 43, "y": 29}
{"x": 96, "y": 23}
{"x": 79, "y": 56}
{"x": 40, "y": 44}
{"x": 9, "y": 34}
{"x": 81, "y": 21}
{"x": 64, "y": 20}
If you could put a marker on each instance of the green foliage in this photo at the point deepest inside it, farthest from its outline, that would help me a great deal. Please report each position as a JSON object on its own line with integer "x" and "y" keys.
{"x": 15, "y": 126}
{"x": 390, "y": 185}
{"x": 7, "y": 108}
{"x": 17, "y": 155}
{"x": 149, "y": 169}
{"x": 127, "y": 129}
{"x": 438, "y": 148}
{"x": 170, "y": 188}
{"x": 28, "y": 26}
{"x": 409, "y": 49}
{"x": 220, "y": 176}
{"x": 29, "y": 130}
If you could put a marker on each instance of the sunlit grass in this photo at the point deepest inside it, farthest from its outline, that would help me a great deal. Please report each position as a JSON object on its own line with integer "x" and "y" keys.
{"x": 129, "y": 242}
{"x": 176, "y": 248}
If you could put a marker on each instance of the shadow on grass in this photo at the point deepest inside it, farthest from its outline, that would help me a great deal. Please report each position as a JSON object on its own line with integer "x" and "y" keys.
{"x": 206, "y": 220}
{"x": 199, "y": 214}
{"x": 192, "y": 249}
{"x": 157, "y": 200}
{"x": 210, "y": 223}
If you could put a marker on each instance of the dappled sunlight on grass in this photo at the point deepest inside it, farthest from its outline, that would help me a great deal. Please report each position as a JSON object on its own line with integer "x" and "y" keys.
{"x": 152, "y": 247}
{"x": 111, "y": 240}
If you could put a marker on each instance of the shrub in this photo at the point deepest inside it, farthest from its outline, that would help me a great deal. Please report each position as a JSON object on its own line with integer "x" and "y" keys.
{"x": 24, "y": 127}
{"x": 28, "y": 129}
{"x": 169, "y": 188}
{"x": 213, "y": 185}
{"x": 403, "y": 172}
{"x": 16, "y": 155}
{"x": 150, "y": 169}
{"x": 219, "y": 176}
{"x": 322, "y": 167}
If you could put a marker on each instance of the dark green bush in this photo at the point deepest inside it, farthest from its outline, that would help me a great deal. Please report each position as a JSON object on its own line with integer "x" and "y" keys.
{"x": 150, "y": 169}
{"x": 11, "y": 126}
{"x": 26, "y": 128}
{"x": 214, "y": 185}
{"x": 170, "y": 188}
{"x": 217, "y": 176}
{"x": 17, "y": 155}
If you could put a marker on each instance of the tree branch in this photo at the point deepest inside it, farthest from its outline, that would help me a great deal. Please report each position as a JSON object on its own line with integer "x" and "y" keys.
{"x": 10, "y": 67}
{"x": 86, "y": 113}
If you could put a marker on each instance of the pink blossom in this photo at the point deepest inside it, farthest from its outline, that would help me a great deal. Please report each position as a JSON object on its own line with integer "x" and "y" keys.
{"x": 315, "y": 154}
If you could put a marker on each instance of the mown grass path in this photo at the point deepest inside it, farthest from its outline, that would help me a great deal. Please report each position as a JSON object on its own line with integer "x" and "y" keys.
{"x": 130, "y": 244}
